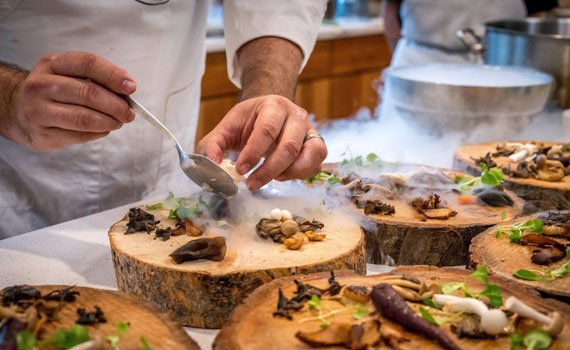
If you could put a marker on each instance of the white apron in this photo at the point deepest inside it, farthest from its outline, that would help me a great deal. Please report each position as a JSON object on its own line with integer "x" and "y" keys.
{"x": 162, "y": 48}
{"x": 429, "y": 26}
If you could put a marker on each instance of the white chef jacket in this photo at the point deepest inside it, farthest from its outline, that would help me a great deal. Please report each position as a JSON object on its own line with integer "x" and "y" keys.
{"x": 163, "y": 49}
{"x": 429, "y": 26}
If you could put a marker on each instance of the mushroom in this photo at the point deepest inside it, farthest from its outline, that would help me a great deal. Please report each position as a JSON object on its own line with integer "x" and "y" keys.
{"x": 202, "y": 248}
{"x": 518, "y": 155}
{"x": 493, "y": 321}
{"x": 358, "y": 294}
{"x": 549, "y": 170}
{"x": 289, "y": 228}
{"x": 553, "y": 324}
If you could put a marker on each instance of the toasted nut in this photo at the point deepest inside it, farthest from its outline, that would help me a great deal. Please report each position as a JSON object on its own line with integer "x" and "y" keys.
{"x": 192, "y": 230}
{"x": 294, "y": 243}
{"x": 289, "y": 228}
{"x": 554, "y": 230}
{"x": 315, "y": 237}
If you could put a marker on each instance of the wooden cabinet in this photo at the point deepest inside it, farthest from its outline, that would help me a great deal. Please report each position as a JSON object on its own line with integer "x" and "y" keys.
{"x": 338, "y": 79}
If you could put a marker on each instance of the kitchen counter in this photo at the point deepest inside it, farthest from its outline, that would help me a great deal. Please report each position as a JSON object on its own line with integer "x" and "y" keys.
{"x": 328, "y": 31}
{"x": 77, "y": 252}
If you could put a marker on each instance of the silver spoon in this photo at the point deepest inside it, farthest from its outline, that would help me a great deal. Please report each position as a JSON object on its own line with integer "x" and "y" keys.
{"x": 198, "y": 168}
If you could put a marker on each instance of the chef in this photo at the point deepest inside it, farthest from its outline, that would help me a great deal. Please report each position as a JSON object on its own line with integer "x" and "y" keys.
{"x": 423, "y": 31}
{"x": 70, "y": 146}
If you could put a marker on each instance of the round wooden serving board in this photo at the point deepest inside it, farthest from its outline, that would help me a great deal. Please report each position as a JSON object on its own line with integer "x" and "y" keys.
{"x": 144, "y": 319}
{"x": 542, "y": 195}
{"x": 253, "y": 326}
{"x": 504, "y": 258}
{"x": 408, "y": 238}
{"x": 203, "y": 293}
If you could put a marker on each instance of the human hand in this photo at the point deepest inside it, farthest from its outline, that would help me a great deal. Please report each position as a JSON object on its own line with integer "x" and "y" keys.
{"x": 69, "y": 98}
{"x": 272, "y": 127}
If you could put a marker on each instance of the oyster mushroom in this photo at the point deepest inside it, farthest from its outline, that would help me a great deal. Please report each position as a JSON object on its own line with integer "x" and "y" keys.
{"x": 549, "y": 170}
{"x": 202, "y": 248}
{"x": 269, "y": 228}
{"x": 552, "y": 323}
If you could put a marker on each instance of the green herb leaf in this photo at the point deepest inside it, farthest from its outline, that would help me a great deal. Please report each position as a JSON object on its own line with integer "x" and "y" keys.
{"x": 429, "y": 302}
{"x": 493, "y": 292}
{"x": 371, "y": 157}
{"x": 155, "y": 206}
{"x": 452, "y": 287}
{"x": 536, "y": 225}
{"x": 503, "y": 215}
{"x": 481, "y": 275}
{"x": 25, "y": 341}
{"x": 145, "y": 344}
{"x": 527, "y": 275}
{"x": 564, "y": 269}
{"x": 516, "y": 341}
{"x": 324, "y": 324}
{"x": 515, "y": 235}
{"x": 537, "y": 339}
{"x": 361, "y": 312}
{"x": 492, "y": 177}
{"x": 315, "y": 302}
{"x": 427, "y": 316}
{"x": 69, "y": 338}
{"x": 567, "y": 147}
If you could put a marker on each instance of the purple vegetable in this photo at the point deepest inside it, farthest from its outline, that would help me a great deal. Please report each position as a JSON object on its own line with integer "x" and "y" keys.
{"x": 392, "y": 305}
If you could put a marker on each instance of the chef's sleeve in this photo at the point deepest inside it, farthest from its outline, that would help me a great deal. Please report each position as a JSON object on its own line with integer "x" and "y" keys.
{"x": 295, "y": 20}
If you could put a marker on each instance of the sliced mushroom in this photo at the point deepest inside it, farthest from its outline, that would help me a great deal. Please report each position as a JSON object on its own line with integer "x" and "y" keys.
{"x": 439, "y": 214}
{"x": 334, "y": 334}
{"x": 358, "y": 294}
{"x": 202, "y": 248}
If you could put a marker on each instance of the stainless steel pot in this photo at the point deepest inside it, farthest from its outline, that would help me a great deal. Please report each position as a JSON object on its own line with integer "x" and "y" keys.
{"x": 540, "y": 43}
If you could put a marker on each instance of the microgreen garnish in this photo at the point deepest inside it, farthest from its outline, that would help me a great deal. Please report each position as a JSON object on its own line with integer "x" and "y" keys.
{"x": 26, "y": 340}
{"x": 122, "y": 328}
{"x": 68, "y": 338}
{"x": 536, "y": 339}
{"x": 361, "y": 312}
{"x": 490, "y": 177}
{"x": 155, "y": 206}
{"x": 145, "y": 344}
{"x": 183, "y": 211}
{"x": 516, "y": 230}
{"x": 429, "y": 302}
{"x": 503, "y": 215}
{"x": 371, "y": 160}
{"x": 567, "y": 147}
{"x": 549, "y": 275}
{"x": 428, "y": 317}
{"x": 491, "y": 291}
{"x": 328, "y": 178}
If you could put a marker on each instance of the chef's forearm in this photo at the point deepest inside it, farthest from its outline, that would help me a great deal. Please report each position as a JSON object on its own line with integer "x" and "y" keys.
{"x": 392, "y": 24}
{"x": 11, "y": 77}
{"x": 269, "y": 66}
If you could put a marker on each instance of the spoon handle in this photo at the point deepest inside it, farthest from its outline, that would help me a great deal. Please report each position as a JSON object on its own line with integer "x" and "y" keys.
{"x": 143, "y": 112}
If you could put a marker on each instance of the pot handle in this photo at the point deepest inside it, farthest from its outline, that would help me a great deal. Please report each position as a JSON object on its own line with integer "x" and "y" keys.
{"x": 471, "y": 40}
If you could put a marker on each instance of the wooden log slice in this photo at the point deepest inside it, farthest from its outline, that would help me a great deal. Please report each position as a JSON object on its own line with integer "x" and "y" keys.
{"x": 539, "y": 195}
{"x": 252, "y": 326}
{"x": 203, "y": 293}
{"x": 408, "y": 238}
{"x": 504, "y": 258}
{"x": 144, "y": 318}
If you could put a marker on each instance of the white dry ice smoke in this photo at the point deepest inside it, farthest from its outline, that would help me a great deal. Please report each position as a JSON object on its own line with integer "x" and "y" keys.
{"x": 396, "y": 139}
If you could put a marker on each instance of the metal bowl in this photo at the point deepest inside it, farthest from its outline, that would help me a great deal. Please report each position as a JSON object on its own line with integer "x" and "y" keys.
{"x": 440, "y": 97}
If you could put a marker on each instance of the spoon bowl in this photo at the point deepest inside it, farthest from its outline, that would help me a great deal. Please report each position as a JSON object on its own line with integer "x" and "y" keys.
{"x": 198, "y": 168}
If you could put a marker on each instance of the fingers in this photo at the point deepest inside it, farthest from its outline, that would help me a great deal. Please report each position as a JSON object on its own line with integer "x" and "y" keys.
{"x": 77, "y": 118}
{"x": 86, "y": 65}
{"x": 271, "y": 117}
{"x": 285, "y": 152}
{"x": 309, "y": 161}
{"x": 212, "y": 147}
{"x": 91, "y": 95}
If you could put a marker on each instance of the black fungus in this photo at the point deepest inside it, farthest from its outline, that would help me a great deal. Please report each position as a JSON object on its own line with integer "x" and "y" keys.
{"x": 13, "y": 295}
{"x": 90, "y": 318}
{"x": 202, "y": 248}
{"x": 378, "y": 207}
{"x": 140, "y": 221}
{"x": 66, "y": 294}
{"x": 163, "y": 233}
